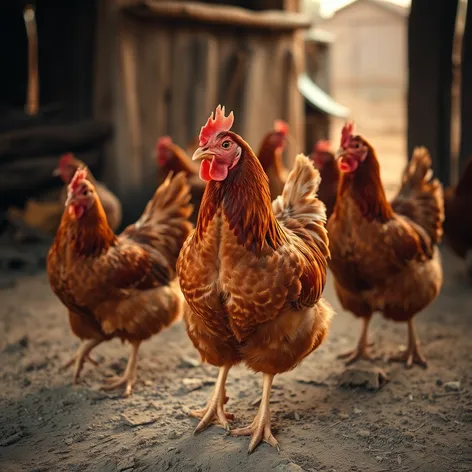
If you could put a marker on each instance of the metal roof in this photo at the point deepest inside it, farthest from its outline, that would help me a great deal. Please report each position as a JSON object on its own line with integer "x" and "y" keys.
{"x": 320, "y": 99}
{"x": 385, "y": 4}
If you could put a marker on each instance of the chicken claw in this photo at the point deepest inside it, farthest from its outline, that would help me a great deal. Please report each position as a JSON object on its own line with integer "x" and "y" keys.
{"x": 412, "y": 355}
{"x": 360, "y": 352}
{"x": 214, "y": 411}
{"x": 259, "y": 429}
{"x": 357, "y": 354}
{"x": 129, "y": 376}
{"x": 79, "y": 358}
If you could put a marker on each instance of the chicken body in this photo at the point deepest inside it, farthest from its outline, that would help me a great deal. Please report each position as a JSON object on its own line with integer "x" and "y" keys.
{"x": 68, "y": 165}
{"x": 119, "y": 286}
{"x": 385, "y": 256}
{"x": 253, "y": 275}
{"x": 271, "y": 157}
{"x": 458, "y": 223}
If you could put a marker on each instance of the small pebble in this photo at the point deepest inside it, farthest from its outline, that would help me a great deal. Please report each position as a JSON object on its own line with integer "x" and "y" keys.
{"x": 454, "y": 386}
{"x": 363, "y": 433}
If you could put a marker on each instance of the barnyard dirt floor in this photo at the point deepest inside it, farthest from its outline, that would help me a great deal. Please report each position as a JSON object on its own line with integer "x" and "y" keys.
{"x": 419, "y": 420}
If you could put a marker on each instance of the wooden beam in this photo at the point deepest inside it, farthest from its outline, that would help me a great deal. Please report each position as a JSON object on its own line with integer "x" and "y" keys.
{"x": 466, "y": 93}
{"x": 217, "y": 15}
{"x": 430, "y": 38}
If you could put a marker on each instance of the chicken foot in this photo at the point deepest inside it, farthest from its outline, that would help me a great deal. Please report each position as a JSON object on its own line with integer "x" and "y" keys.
{"x": 259, "y": 429}
{"x": 214, "y": 411}
{"x": 360, "y": 352}
{"x": 412, "y": 355}
{"x": 82, "y": 355}
{"x": 129, "y": 376}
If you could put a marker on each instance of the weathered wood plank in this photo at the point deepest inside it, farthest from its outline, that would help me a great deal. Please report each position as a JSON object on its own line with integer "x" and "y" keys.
{"x": 218, "y": 14}
{"x": 181, "y": 86}
{"x": 46, "y": 139}
{"x": 153, "y": 82}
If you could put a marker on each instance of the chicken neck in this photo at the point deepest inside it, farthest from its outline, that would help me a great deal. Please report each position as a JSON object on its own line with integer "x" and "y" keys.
{"x": 364, "y": 187}
{"x": 90, "y": 235}
{"x": 244, "y": 198}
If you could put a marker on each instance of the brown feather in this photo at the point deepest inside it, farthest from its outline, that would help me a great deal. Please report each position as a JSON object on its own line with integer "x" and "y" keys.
{"x": 384, "y": 260}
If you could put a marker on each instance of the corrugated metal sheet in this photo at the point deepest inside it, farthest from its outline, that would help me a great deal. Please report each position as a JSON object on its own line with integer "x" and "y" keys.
{"x": 319, "y": 99}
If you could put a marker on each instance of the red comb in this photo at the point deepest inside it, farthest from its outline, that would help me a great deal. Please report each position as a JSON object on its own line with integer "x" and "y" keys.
{"x": 323, "y": 146}
{"x": 346, "y": 134}
{"x": 164, "y": 142}
{"x": 281, "y": 127}
{"x": 79, "y": 176}
{"x": 216, "y": 125}
{"x": 66, "y": 159}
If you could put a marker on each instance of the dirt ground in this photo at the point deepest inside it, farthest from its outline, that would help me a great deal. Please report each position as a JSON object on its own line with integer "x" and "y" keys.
{"x": 413, "y": 423}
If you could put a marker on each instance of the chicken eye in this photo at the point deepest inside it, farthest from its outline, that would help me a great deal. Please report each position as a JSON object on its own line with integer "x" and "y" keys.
{"x": 225, "y": 144}
{"x": 84, "y": 192}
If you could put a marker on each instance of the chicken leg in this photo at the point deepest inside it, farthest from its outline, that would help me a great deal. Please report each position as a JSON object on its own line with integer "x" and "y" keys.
{"x": 360, "y": 352}
{"x": 129, "y": 376}
{"x": 82, "y": 355}
{"x": 412, "y": 355}
{"x": 259, "y": 429}
{"x": 214, "y": 411}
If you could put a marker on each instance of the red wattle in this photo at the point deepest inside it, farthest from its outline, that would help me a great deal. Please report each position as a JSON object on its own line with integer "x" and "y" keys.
{"x": 218, "y": 171}
{"x": 205, "y": 170}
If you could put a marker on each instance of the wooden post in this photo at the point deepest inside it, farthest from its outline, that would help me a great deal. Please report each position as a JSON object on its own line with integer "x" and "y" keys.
{"x": 466, "y": 93}
{"x": 430, "y": 38}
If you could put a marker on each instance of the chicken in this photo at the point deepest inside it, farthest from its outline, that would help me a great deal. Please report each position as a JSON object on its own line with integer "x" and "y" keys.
{"x": 458, "y": 223}
{"x": 171, "y": 157}
{"x": 325, "y": 162}
{"x": 119, "y": 286}
{"x": 271, "y": 157}
{"x": 68, "y": 165}
{"x": 385, "y": 256}
{"x": 253, "y": 273}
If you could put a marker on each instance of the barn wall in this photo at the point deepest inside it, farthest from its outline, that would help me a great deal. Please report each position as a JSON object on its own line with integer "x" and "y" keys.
{"x": 167, "y": 76}
{"x": 369, "y": 64}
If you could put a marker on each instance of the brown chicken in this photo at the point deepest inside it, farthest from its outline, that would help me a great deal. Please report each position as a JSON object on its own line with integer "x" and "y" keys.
{"x": 271, "y": 157}
{"x": 458, "y": 223}
{"x": 119, "y": 286}
{"x": 171, "y": 157}
{"x": 253, "y": 272}
{"x": 68, "y": 165}
{"x": 385, "y": 256}
{"x": 325, "y": 162}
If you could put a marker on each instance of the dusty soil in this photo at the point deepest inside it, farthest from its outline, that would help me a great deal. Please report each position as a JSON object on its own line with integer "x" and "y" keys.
{"x": 412, "y": 423}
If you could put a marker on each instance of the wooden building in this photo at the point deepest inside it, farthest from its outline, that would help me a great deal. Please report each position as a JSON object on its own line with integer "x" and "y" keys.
{"x": 138, "y": 69}
{"x": 173, "y": 62}
{"x": 369, "y": 62}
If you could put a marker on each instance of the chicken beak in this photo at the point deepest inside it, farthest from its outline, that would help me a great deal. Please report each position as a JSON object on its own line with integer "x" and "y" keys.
{"x": 340, "y": 153}
{"x": 56, "y": 172}
{"x": 70, "y": 199}
{"x": 202, "y": 153}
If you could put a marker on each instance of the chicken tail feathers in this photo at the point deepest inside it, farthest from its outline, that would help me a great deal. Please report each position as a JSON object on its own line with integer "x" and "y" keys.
{"x": 421, "y": 195}
{"x": 298, "y": 208}
{"x": 164, "y": 223}
{"x": 171, "y": 200}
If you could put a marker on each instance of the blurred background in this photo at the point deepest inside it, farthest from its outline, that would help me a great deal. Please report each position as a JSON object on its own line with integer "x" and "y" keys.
{"x": 105, "y": 79}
